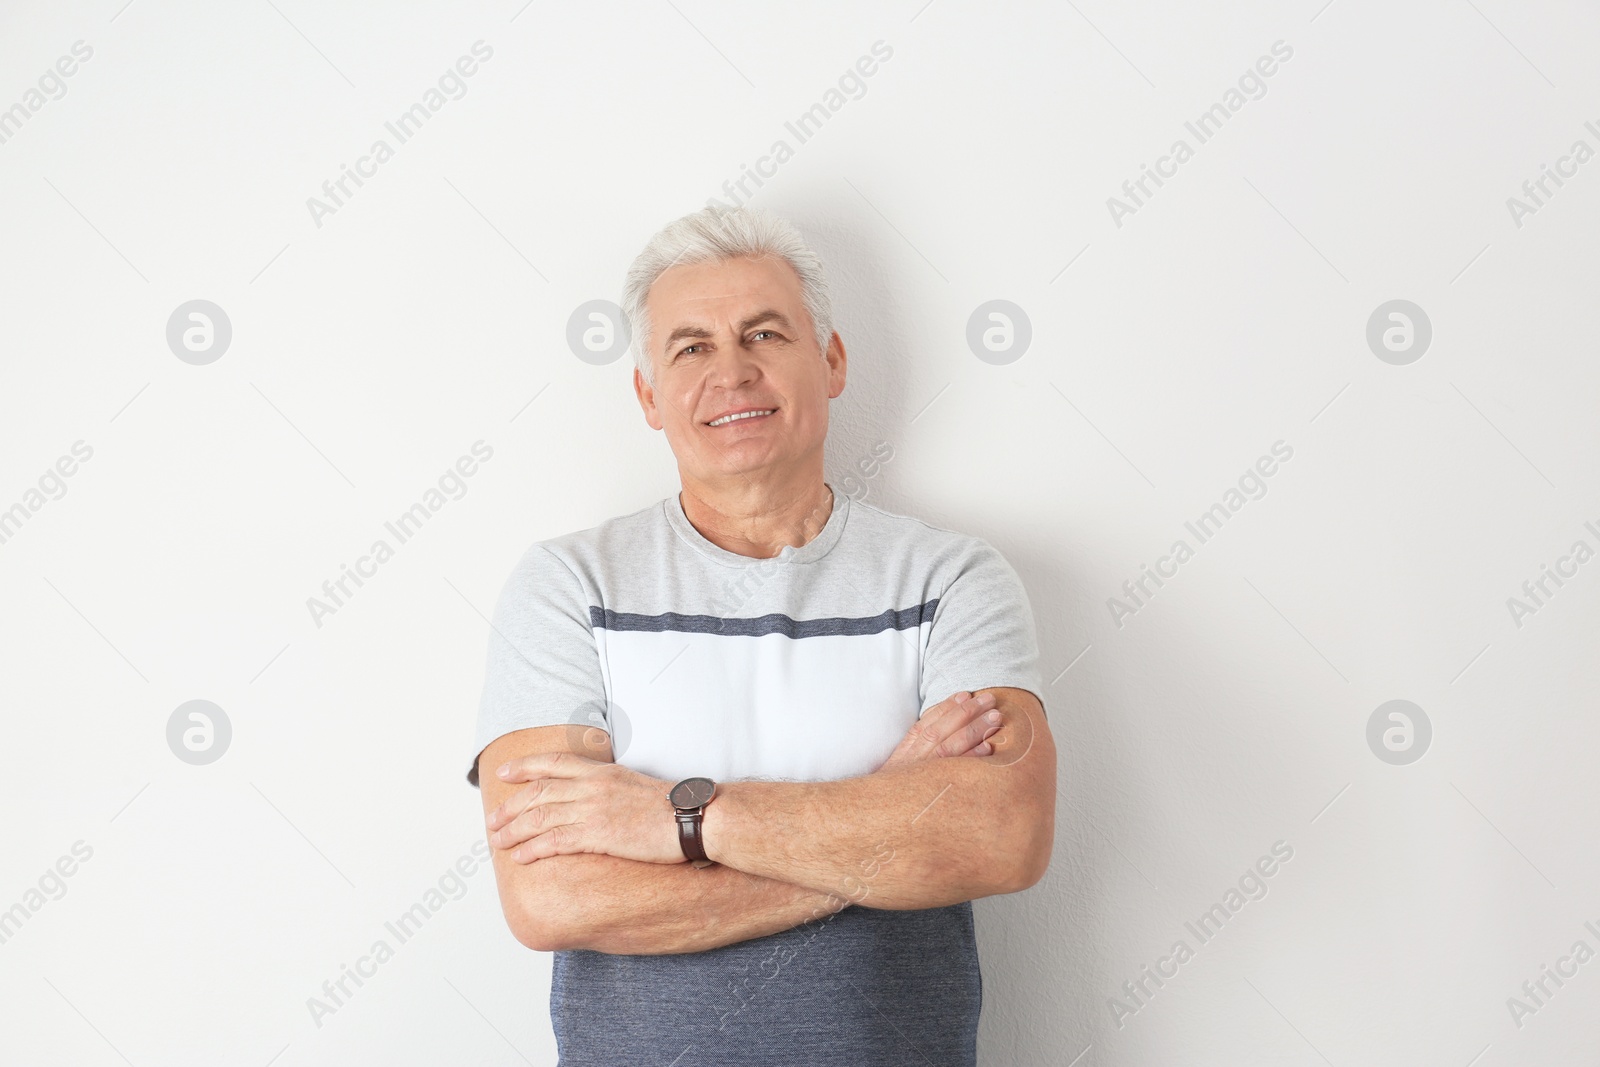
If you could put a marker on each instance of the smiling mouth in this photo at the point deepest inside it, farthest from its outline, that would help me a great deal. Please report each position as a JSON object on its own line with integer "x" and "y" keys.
{"x": 743, "y": 416}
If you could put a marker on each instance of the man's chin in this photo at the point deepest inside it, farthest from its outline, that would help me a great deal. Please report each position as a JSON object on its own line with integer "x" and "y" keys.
{"x": 749, "y": 464}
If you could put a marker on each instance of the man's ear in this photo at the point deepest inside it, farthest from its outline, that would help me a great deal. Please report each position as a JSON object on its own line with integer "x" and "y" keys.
{"x": 836, "y": 365}
{"x": 647, "y": 400}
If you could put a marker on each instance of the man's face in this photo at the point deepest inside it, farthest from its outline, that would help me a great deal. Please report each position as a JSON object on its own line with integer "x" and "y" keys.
{"x": 732, "y": 336}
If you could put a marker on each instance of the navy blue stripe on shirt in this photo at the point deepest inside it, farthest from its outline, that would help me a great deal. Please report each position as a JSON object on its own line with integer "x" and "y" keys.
{"x": 761, "y": 625}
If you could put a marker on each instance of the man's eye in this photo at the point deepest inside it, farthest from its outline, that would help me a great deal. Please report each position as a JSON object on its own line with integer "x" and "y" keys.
{"x": 685, "y": 352}
{"x": 758, "y": 333}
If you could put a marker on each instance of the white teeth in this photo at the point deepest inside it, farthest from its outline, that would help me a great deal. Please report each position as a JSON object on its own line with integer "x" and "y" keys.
{"x": 742, "y": 415}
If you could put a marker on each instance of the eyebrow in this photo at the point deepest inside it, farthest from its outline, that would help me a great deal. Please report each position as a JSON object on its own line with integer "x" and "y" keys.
{"x": 764, "y": 315}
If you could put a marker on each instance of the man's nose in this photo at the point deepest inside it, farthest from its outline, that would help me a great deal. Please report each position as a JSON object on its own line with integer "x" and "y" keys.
{"x": 733, "y": 364}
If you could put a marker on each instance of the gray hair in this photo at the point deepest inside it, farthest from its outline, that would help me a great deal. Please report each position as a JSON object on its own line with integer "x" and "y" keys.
{"x": 717, "y": 232}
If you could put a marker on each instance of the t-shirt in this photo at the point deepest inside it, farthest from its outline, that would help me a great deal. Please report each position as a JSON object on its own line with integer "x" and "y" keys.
{"x": 809, "y": 666}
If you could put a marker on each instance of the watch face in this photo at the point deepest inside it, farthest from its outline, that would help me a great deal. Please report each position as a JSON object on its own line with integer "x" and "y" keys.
{"x": 692, "y": 792}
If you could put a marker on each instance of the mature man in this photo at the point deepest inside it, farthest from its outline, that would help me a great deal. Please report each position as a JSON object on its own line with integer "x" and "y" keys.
{"x": 810, "y": 678}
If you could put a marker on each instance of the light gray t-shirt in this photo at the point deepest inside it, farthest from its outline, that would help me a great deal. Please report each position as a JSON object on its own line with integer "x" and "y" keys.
{"x": 810, "y": 666}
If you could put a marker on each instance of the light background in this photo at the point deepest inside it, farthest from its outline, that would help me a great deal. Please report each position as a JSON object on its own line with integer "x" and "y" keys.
{"x": 1168, "y": 353}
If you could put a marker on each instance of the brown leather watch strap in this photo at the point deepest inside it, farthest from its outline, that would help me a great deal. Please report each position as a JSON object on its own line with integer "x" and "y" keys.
{"x": 689, "y": 836}
{"x": 689, "y": 799}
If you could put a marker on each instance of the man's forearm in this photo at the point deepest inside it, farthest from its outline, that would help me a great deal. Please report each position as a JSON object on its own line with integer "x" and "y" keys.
{"x": 921, "y": 835}
{"x": 607, "y": 904}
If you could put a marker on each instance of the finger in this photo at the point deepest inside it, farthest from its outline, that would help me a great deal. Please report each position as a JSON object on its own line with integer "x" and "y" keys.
{"x": 560, "y": 840}
{"x": 531, "y": 824}
{"x": 984, "y": 747}
{"x": 937, "y": 723}
{"x": 956, "y": 706}
{"x": 920, "y": 737}
{"x": 545, "y": 765}
{"x": 971, "y": 735}
{"x": 944, "y": 716}
{"x": 538, "y": 791}
{"x": 938, "y": 734}
{"x": 933, "y": 727}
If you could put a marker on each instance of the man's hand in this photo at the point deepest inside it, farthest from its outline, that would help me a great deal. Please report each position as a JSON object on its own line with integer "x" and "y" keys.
{"x": 575, "y": 804}
{"x": 959, "y": 725}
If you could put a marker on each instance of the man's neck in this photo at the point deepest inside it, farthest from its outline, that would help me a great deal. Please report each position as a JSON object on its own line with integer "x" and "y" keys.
{"x": 758, "y": 520}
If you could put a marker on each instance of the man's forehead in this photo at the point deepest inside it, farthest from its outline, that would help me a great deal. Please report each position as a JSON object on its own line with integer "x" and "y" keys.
{"x": 734, "y": 308}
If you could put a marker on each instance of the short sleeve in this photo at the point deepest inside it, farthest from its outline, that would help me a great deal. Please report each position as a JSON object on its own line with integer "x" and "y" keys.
{"x": 983, "y": 632}
{"x": 543, "y": 668}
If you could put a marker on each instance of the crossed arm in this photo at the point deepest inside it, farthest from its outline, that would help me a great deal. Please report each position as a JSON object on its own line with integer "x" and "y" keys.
{"x": 586, "y": 854}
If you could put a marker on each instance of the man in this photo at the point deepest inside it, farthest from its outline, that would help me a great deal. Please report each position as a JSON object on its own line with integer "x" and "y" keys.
{"x": 812, "y": 679}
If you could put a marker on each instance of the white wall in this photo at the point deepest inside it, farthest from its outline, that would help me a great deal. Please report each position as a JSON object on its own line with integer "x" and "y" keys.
{"x": 1170, "y": 351}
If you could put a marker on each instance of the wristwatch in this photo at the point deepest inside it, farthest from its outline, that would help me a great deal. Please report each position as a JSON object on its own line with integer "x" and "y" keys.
{"x": 689, "y": 799}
